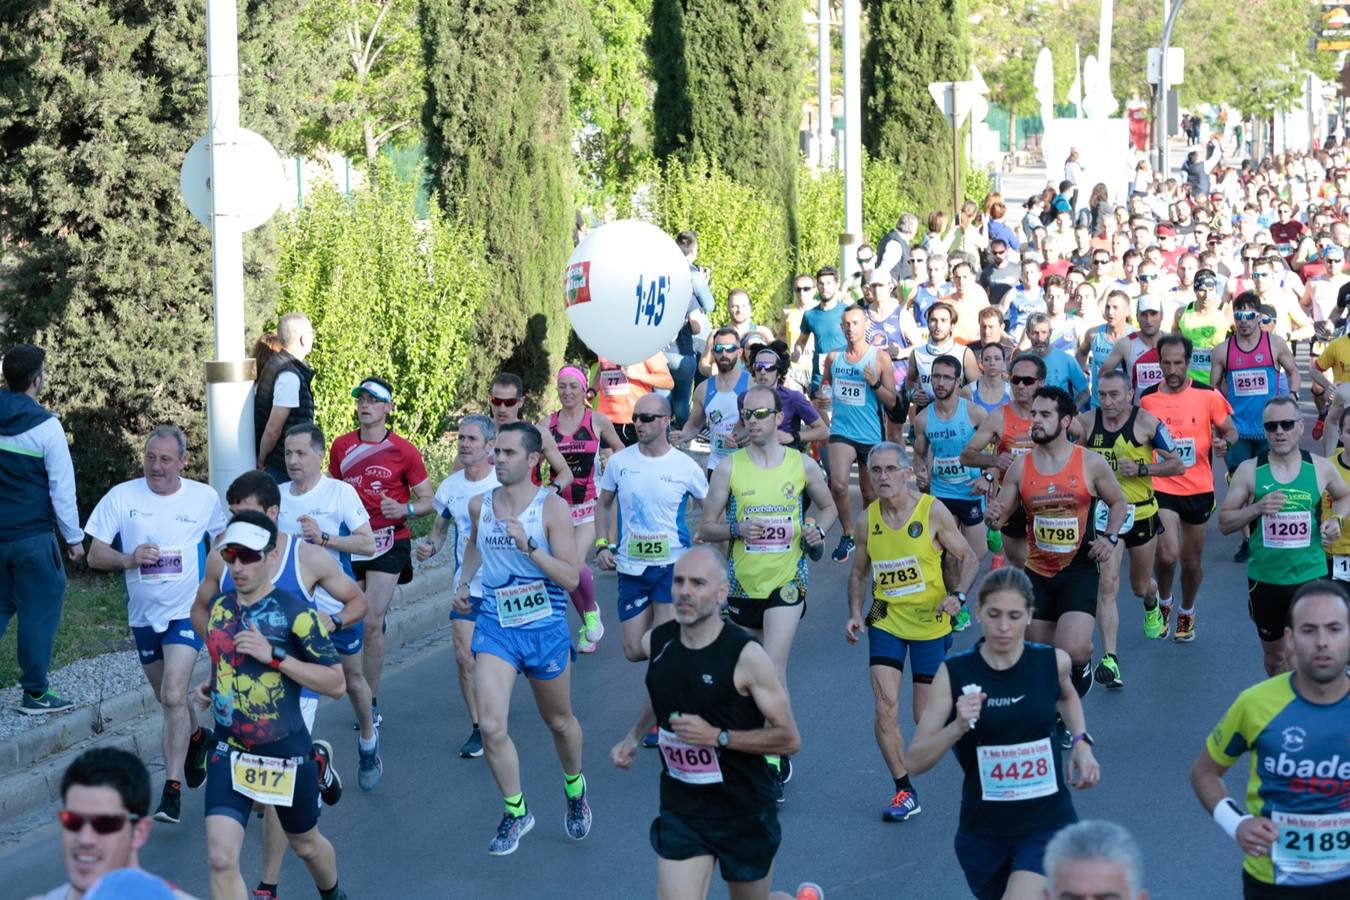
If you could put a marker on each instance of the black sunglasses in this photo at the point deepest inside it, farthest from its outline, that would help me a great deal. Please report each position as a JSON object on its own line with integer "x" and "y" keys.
{"x": 1275, "y": 425}
{"x": 648, "y": 418}
{"x": 1024, "y": 380}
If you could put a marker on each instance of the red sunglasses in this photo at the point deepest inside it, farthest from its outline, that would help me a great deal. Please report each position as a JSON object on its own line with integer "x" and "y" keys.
{"x": 108, "y": 823}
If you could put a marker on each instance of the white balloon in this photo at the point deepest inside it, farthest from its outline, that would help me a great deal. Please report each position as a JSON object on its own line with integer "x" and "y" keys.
{"x": 627, "y": 289}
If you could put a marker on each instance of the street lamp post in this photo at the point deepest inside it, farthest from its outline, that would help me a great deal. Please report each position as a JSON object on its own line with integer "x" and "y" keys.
{"x": 1161, "y": 114}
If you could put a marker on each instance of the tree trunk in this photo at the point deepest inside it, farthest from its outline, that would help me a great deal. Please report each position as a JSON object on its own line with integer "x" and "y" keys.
{"x": 372, "y": 148}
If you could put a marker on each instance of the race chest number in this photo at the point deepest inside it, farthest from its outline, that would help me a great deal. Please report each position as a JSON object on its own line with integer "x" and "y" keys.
{"x": 849, "y": 391}
{"x": 898, "y": 577}
{"x": 1057, "y": 534}
{"x": 266, "y": 779}
{"x": 1017, "y": 771}
{"x": 649, "y": 548}
{"x": 521, "y": 604}
{"x": 1311, "y": 844}
{"x": 687, "y": 763}
{"x": 1251, "y": 383}
{"x": 776, "y": 535}
{"x": 1287, "y": 530}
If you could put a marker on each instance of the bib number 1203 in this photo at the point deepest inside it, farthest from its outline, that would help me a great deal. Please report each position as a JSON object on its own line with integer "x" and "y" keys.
{"x": 651, "y": 300}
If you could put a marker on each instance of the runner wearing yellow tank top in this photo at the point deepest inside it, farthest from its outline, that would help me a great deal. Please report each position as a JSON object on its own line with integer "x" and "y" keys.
{"x": 898, "y": 571}
{"x": 1338, "y": 551}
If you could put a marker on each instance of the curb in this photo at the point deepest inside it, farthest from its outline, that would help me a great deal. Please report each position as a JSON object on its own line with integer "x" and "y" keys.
{"x": 37, "y": 758}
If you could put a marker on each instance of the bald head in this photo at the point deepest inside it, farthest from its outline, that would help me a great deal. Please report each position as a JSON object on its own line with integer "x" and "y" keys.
{"x": 652, "y": 404}
{"x": 706, "y": 562}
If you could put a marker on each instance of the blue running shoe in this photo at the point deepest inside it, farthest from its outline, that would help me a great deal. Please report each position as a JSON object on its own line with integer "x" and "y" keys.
{"x": 903, "y": 805}
{"x": 578, "y": 821}
{"x": 651, "y": 739}
{"x": 509, "y": 833}
{"x": 845, "y": 549}
{"x": 370, "y": 767}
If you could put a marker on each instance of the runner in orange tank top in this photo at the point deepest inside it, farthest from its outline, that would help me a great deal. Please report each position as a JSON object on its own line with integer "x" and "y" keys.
{"x": 1054, "y": 486}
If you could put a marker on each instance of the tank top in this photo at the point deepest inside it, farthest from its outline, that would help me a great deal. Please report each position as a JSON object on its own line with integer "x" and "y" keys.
{"x": 288, "y": 578}
{"x": 1099, "y": 348}
{"x": 1057, "y": 508}
{"x": 1204, "y": 338}
{"x": 1144, "y": 366}
{"x": 774, "y": 498}
{"x": 990, "y": 407}
{"x": 907, "y": 583}
{"x": 1016, "y": 729}
{"x": 1286, "y": 547}
{"x": 581, "y": 450}
{"x": 706, "y": 782}
{"x": 722, "y": 412}
{"x": 1251, "y": 380}
{"x": 516, "y": 592}
{"x": 1340, "y": 569}
{"x": 1117, "y": 445}
{"x": 882, "y": 333}
{"x": 948, "y": 437}
{"x": 1016, "y": 433}
{"x": 923, "y": 362}
{"x": 857, "y": 413}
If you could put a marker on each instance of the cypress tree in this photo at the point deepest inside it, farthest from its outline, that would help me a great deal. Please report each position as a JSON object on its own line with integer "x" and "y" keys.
{"x": 910, "y": 44}
{"x": 101, "y": 263}
{"x": 499, "y": 145}
{"x": 728, "y": 79}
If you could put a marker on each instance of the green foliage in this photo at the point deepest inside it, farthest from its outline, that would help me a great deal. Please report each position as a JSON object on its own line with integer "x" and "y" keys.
{"x": 820, "y": 218}
{"x": 499, "y": 135}
{"x": 727, "y": 80}
{"x": 99, "y": 102}
{"x": 389, "y": 295}
{"x": 910, "y": 44}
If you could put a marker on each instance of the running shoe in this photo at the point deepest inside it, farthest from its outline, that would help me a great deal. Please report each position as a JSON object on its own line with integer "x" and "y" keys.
{"x": 46, "y": 702}
{"x": 998, "y": 561}
{"x": 784, "y": 769}
{"x": 903, "y": 805}
{"x": 1065, "y": 738}
{"x": 584, "y": 645}
{"x": 1317, "y": 429}
{"x": 1185, "y": 628}
{"x": 778, "y": 794}
{"x": 263, "y": 894}
{"x": 375, "y": 718}
{"x": 170, "y": 807}
{"x": 509, "y": 833}
{"x": 845, "y": 548}
{"x": 595, "y": 629}
{"x": 1108, "y": 672}
{"x": 651, "y": 739}
{"x": 1155, "y": 626}
{"x": 1243, "y": 553}
{"x": 330, "y": 783}
{"x": 1165, "y": 610}
{"x": 369, "y": 766}
{"x": 194, "y": 762}
{"x": 809, "y": 890}
{"x": 473, "y": 747}
{"x": 578, "y": 819}
{"x": 962, "y": 620}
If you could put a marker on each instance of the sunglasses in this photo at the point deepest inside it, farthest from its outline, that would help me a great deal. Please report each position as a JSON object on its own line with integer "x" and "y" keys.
{"x": 1275, "y": 425}
{"x": 648, "y": 418}
{"x": 805, "y": 289}
{"x": 1206, "y": 285}
{"x": 726, "y": 348}
{"x": 762, "y": 413}
{"x": 1101, "y": 262}
{"x": 108, "y": 823}
{"x": 1267, "y": 320}
{"x": 1024, "y": 380}
{"x": 233, "y": 552}
{"x": 765, "y": 366}
{"x": 1244, "y": 315}
{"x": 864, "y": 260}
{"x": 1260, "y": 274}
{"x": 508, "y": 402}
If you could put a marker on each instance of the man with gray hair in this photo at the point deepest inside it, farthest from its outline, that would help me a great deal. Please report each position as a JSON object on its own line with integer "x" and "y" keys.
{"x": 893, "y": 249}
{"x": 1094, "y": 858}
{"x": 282, "y": 397}
{"x": 161, "y": 520}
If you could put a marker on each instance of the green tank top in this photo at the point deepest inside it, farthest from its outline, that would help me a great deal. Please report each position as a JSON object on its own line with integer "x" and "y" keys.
{"x": 1204, "y": 338}
{"x": 773, "y": 497}
{"x": 1286, "y": 547}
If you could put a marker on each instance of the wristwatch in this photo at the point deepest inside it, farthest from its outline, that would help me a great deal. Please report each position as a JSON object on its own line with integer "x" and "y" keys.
{"x": 1084, "y": 737}
{"x": 724, "y": 739}
{"x": 323, "y": 538}
{"x": 530, "y": 546}
{"x": 1113, "y": 538}
{"x": 989, "y": 477}
{"x": 278, "y": 655}
{"x": 1143, "y": 468}
{"x": 961, "y": 596}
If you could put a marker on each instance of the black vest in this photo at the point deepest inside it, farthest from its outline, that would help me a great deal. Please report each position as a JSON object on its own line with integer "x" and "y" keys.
{"x": 262, "y": 402}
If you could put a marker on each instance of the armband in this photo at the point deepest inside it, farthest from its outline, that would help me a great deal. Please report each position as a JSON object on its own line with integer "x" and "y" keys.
{"x": 1162, "y": 438}
{"x": 1229, "y": 817}
{"x": 602, "y": 543}
{"x": 411, "y": 511}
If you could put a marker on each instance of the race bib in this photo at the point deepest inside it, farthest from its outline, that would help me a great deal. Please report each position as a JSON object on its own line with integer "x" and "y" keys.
{"x": 169, "y": 567}
{"x": 949, "y": 468}
{"x": 613, "y": 383}
{"x": 583, "y": 512}
{"x": 384, "y": 539}
{"x": 724, "y": 443}
{"x": 1057, "y": 534}
{"x": 521, "y": 604}
{"x": 1287, "y": 530}
{"x": 1147, "y": 374}
{"x": 1311, "y": 844}
{"x": 776, "y": 537}
{"x": 898, "y": 577}
{"x": 1340, "y": 568}
{"x": 1251, "y": 383}
{"x": 849, "y": 391}
{"x": 1186, "y": 450}
{"x": 1201, "y": 360}
{"x": 1017, "y": 771}
{"x": 266, "y": 779}
{"x": 652, "y": 549}
{"x": 1103, "y": 515}
{"x": 687, "y": 763}
{"x": 1019, "y": 451}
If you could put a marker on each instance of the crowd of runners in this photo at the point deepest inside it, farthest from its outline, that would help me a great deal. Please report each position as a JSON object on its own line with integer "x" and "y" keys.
{"x": 1025, "y": 405}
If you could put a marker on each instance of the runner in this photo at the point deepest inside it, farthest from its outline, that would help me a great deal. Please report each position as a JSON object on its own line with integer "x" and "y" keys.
{"x": 1061, "y": 369}
{"x": 720, "y": 707}
{"x": 991, "y": 390}
{"x": 801, "y": 425}
{"x": 822, "y": 324}
{"x": 522, "y": 540}
{"x": 1055, "y": 485}
{"x": 860, "y": 381}
{"x": 1129, "y": 439}
{"x": 654, "y": 485}
{"x": 1278, "y": 493}
{"x": 473, "y": 444}
{"x": 579, "y": 432}
{"x": 508, "y": 402}
{"x": 1137, "y": 352}
{"x": 265, "y": 645}
{"x": 885, "y": 331}
{"x": 1293, "y": 835}
{"x": 1246, "y": 369}
{"x": 994, "y": 706}
{"x": 1008, "y": 435}
{"x": 755, "y": 502}
{"x": 716, "y": 398}
{"x": 941, "y": 317}
{"x": 392, "y": 483}
{"x": 1192, "y": 412}
{"x": 1204, "y": 323}
{"x": 899, "y": 571}
{"x": 1333, "y": 361}
{"x": 1338, "y": 552}
{"x": 1094, "y": 858}
{"x": 617, "y": 389}
{"x": 162, "y": 520}
{"x": 1100, "y": 340}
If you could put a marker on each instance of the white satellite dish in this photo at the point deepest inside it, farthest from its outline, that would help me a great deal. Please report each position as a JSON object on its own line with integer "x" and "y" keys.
{"x": 259, "y": 175}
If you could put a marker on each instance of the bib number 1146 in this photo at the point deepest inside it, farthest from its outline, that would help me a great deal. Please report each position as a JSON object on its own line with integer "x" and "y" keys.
{"x": 651, "y": 300}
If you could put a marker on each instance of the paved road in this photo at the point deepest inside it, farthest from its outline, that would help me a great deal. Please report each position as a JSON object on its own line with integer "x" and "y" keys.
{"x": 424, "y": 831}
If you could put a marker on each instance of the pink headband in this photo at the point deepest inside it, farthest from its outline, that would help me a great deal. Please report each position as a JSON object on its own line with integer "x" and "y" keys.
{"x": 575, "y": 372}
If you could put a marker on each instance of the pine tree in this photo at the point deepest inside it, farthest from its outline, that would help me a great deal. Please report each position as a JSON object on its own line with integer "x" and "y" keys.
{"x": 499, "y": 144}
{"x": 912, "y": 43}
{"x": 101, "y": 263}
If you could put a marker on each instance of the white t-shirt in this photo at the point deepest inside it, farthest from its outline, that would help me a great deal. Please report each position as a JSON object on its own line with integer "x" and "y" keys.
{"x": 164, "y": 591}
{"x": 336, "y": 508}
{"x": 651, "y": 491}
{"x": 286, "y": 390}
{"x": 452, "y": 503}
